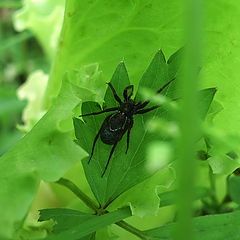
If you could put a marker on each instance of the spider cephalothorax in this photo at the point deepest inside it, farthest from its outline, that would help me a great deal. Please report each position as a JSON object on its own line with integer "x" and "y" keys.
{"x": 121, "y": 120}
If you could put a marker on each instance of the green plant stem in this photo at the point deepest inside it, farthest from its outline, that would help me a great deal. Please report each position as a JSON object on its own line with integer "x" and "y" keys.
{"x": 92, "y": 205}
{"x": 79, "y": 193}
{"x": 132, "y": 230}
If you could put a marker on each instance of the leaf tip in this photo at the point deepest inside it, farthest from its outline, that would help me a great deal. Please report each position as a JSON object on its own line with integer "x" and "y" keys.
{"x": 160, "y": 55}
{"x": 121, "y": 67}
{"x": 122, "y": 63}
{"x": 213, "y": 89}
{"x": 177, "y": 54}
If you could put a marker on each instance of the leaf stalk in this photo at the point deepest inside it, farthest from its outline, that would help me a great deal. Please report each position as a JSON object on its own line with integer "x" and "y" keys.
{"x": 98, "y": 210}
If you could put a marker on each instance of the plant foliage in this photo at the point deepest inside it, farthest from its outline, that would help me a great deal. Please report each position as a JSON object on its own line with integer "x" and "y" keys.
{"x": 83, "y": 42}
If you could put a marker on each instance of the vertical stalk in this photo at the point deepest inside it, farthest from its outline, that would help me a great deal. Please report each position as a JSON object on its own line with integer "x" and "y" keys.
{"x": 188, "y": 122}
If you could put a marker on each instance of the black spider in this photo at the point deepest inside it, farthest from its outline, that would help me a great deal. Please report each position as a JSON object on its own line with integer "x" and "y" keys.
{"x": 121, "y": 121}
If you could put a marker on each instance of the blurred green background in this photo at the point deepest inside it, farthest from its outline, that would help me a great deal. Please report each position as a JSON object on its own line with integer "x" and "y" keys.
{"x": 20, "y": 55}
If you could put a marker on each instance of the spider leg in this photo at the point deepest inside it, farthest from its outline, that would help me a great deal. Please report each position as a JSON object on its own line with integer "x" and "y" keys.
{"x": 117, "y": 98}
{"x": 109, "y": 158}
{"x": 128, "y": 134}
{"x": 100, "y": 112}
{"x": 145, "y": 103}
{"x": 128, "y": 92}
{"x": 94, "y": 144}
{"x": 142, "y": 105}
{"x": 142, "y": 111}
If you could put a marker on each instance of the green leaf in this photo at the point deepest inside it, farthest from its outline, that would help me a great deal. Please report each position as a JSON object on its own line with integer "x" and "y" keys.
{"x": 148, "y": 203}
{"x": 215, "y": 108}
{"x": 169, "y": 198}
{"x": 223, "y": 164}
{"x": 174, "y": 63}
{"x": 221, "y": 145}
{"x": 120, "y": 80}
{"x": 211, "y": 227}
{"x": 233, "y": 188}
{"x": 205, "y": 98}
{"x": 130, "y": 168}
{"x": 156, "y": 74}
{"x": 86, "y": 223}
{"x": 65, "y": 219}
{"x": 221, "y": 60}
{"x": 46, "y": 152}
{"x": 106, "y": 233}
{"x": 108, "y": 33}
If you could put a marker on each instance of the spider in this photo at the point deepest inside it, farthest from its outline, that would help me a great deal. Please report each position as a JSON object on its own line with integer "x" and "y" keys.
{"x": 121, "y": 120}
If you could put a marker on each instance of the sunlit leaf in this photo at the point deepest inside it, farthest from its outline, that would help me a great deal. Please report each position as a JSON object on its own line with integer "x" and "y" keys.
{"x": 46, "y": 152}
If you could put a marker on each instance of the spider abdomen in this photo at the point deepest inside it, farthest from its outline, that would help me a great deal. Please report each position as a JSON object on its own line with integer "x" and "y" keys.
{"x": 113, "y": 128}
{"x": 109, "y": 137}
